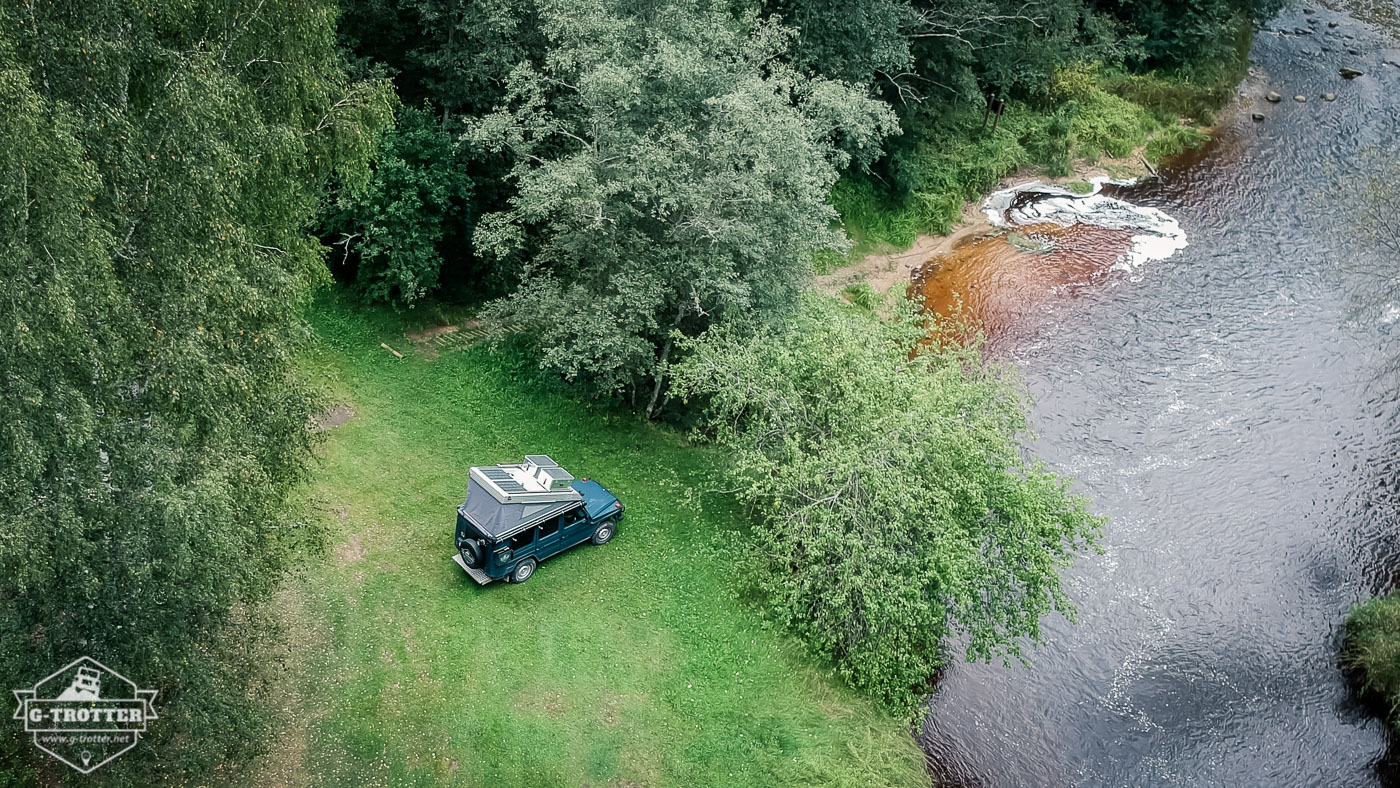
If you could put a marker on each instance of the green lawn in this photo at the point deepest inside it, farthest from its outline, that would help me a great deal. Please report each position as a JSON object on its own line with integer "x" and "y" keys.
{"x": 630, "y": 664}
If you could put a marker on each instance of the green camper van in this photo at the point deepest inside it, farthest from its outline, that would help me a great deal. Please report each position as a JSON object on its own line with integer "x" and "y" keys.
{"x": 516, "y": 516}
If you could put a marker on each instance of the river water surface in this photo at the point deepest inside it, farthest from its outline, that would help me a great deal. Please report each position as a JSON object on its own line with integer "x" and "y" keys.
{"x": 1221, "y": 409}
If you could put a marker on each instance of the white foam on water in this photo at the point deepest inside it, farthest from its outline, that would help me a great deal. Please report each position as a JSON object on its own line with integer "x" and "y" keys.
{"x": 1157, "y": 235}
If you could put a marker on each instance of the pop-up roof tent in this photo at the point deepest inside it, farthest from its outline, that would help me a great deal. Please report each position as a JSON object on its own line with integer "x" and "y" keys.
{"x": 503, "y": 500}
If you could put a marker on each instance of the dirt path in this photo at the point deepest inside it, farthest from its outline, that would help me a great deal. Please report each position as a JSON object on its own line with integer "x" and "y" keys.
{"x": 885, "y": 270}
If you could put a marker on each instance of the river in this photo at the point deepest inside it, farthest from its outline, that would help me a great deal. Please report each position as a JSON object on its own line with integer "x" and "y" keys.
{"x": 1222, "y": 410}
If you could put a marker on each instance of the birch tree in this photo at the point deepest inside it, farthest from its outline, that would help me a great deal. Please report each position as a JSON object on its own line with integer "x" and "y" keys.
{"x": 159, "y": 165}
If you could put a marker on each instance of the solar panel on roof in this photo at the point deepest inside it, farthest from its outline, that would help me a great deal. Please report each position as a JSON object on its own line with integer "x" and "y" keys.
{"x": 503, "y": 479}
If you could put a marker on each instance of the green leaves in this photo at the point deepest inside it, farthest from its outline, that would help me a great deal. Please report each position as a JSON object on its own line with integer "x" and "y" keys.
{"x": 896, "y": 508}
{"x": 670, "y": 175}
{"x": 158, "y": 169}
{"x": 395, "y": 226}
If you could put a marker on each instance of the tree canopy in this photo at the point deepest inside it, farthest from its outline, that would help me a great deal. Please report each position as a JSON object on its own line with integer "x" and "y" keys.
{"x": 896, "y": 507}
{"x": 393, "y": 230}
{"x": 159, "y": 167}
{"x": 648, "y": 183}
{"x": 670, "y": 171}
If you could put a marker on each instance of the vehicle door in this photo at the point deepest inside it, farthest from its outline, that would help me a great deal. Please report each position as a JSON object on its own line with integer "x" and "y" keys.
{"x": 547, "y": 538}
{"x": 577, "y": 527}
{"x": 522, "y": 545}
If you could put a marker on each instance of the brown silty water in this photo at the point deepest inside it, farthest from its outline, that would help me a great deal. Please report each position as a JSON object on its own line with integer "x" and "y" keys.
{"x": 1005, "y": 282}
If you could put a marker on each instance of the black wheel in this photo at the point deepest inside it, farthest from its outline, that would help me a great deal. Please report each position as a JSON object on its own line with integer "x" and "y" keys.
{"x": 523, "y": 571}
{"x": 471, "y": 553}
{"x": 604, "y": 533}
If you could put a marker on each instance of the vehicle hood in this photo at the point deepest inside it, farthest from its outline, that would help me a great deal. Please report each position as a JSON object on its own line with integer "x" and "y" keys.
{"x": 597, "y": 501}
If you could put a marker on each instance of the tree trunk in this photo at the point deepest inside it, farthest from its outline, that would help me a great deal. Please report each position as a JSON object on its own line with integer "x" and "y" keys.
{"x": 661, "y": 362}
{"x": 660, "y": 378}
{"x": 451, "y": 28}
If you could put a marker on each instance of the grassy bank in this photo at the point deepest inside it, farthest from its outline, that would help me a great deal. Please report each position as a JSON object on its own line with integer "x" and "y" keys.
{"x": 1372, "y": 651}
{"x": 1091, "y": 120}
{"x": 629, "y": 664}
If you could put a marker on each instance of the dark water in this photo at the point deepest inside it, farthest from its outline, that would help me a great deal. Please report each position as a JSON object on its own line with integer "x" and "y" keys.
{"x": 1220, "y": 407}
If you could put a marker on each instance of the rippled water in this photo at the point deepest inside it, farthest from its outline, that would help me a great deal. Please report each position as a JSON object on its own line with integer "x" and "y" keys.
{"x": 1221, "y": 409}
{"x": 1011, "y": 291}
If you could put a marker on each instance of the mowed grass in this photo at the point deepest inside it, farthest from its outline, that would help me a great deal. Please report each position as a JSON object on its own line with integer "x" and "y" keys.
{"x": 635, "y": 663}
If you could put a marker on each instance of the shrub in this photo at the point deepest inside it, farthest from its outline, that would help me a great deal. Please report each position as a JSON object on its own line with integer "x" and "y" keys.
{"x": 863, "y": 296}
{"x": 1109, "y": 124}
{"x": 870, "y": 219}
{"x": 1174, "y": 140}
{"x": 1074, "y": 82}
{"x": 1171, "y": 98}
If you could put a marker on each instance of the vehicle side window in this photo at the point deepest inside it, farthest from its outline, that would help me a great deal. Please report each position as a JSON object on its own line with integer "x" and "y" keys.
{"x": 550, "y": 528}
{"x": 523, "y": 539}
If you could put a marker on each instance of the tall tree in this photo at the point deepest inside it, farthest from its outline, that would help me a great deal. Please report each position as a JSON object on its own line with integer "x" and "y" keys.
{"x": 457, "y": 54}
{"x": 671, "y": 172}
{"x": 159, "y": 164}
{"x": 859, "y": 41}
{"x": 896, "y": 508}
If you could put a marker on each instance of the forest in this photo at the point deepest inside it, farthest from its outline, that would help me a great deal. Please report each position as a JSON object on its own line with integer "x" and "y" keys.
{"x": 212, "y": 213}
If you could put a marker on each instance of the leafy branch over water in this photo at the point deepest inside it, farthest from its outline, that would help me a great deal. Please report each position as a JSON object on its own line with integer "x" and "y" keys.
{"x": 896, "y": 508}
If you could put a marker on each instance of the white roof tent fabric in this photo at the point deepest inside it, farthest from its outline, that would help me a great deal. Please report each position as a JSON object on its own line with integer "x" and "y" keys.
{"x": 503, "y": 500}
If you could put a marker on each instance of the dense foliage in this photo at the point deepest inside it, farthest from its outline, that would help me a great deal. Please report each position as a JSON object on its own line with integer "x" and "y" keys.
{"x": 671, "y": 172}
{"x": 1148, "y": 64}
{"x": 391, "y": 232}
{"x": 159, "y": 165}
{"x": 644, "y": 183}
{"x": 896, "y": 508}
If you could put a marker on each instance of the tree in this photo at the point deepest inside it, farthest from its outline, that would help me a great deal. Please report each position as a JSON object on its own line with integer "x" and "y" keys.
{"x": 394, "y": 228}
{"x": 671, "y": 172}
{"x": 1192, "y": 36}
{"x": 159, "y": 164}
{"x": 859, "y": 41}
{"x": 895, "y": 507}
{"x": 457, "y": 54}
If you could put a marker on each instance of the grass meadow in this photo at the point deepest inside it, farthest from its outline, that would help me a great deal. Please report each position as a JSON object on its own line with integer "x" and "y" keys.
{"x": 635, "y": 663}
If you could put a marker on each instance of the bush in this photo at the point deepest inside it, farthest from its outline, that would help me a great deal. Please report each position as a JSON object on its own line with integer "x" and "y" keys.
{"x": 895, "y": 508}
{"x": 863, "y": 296}
{"x": 1171, "y": 98}
{"x": 393, "y": 228}
{"x": 1174, "y": 140}
{"x": 1372, "y": 649}
{"x": 871, "y": 219}
{"x": 1074, "y": 82}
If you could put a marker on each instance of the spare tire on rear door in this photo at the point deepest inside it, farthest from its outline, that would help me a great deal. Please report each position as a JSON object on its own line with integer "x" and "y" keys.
{"x": 471, "y": 552}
